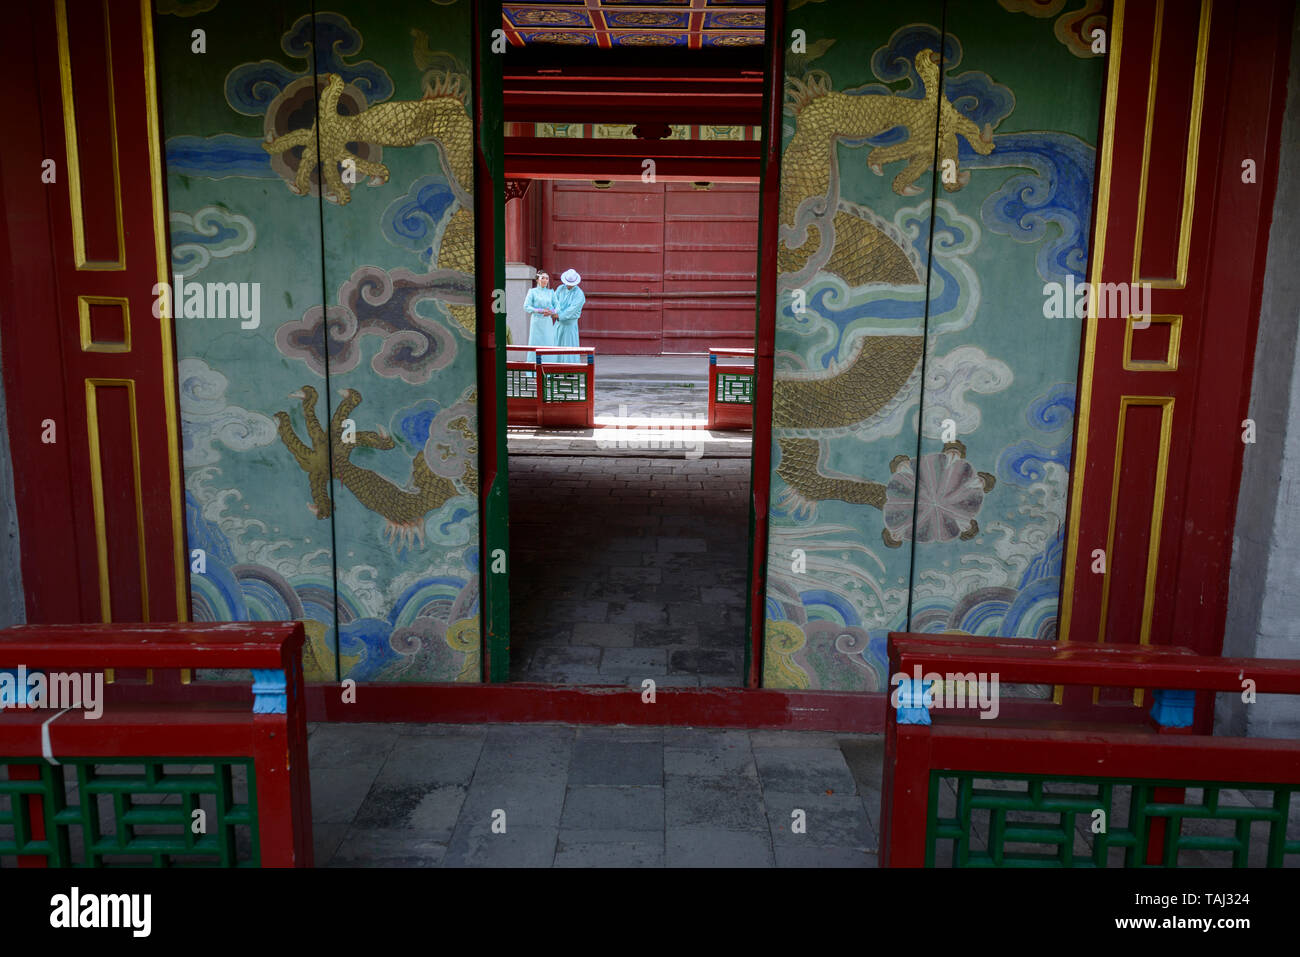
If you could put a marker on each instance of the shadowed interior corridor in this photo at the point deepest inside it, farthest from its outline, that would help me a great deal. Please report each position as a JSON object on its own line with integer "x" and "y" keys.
{"x": 626, "y": 568}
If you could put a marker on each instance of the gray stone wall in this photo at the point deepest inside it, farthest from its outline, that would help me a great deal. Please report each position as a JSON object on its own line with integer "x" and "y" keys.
{"x": 1264, "y": 587}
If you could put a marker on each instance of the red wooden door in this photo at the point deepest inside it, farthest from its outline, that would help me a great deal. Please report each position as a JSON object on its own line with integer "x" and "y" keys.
{"x": 614, "y": 238}
{"x": 89, "y": 371}
{"x": 710, "y": 262}
{"x": 666, "y": 268}
{"x": 1194, "y": 90}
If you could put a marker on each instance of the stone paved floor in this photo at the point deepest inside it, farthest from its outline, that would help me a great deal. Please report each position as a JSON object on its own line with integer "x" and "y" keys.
{"x": 427, "y": 796}
{"x": 424, "y": 795}
{"x": 686, "y": 401}
{"x": 628, "y": 568}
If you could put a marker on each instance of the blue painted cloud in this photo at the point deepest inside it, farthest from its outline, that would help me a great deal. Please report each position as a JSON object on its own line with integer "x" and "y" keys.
{"x": 1058, "y": 192}
{"x": 212, "y": 232}
{"x": 411, "y": 221}
{"x": 250, "y": 87}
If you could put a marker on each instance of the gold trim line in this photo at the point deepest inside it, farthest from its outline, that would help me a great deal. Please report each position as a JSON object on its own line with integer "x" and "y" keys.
{"x": 165, "y": 322}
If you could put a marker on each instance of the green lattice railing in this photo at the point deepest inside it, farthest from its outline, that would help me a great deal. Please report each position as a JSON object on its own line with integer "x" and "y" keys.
{"x": 107, "y": 809}
{"x": 1011, "y": 809}
{"x": 521, "y": 384}
{"x": 737, "y": 389}
{"x": 564, "y": 387}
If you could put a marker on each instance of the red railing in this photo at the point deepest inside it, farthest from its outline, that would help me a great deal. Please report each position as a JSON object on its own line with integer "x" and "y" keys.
{"x": 271, "y": 729}
{"x": 551, "y": 393}
{"x": 920, "y": 741}
{"x": 731, "y": 390}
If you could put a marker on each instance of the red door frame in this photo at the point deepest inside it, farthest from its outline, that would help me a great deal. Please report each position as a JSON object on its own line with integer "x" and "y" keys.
{"x": 754, "y": 706}
{"x": 724, "y": 169}
{"x": 101, "y": 508}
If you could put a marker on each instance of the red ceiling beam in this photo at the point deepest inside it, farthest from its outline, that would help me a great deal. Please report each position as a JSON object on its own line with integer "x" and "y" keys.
{"x": 721, "y": 161}
{"x": 606, "y": 96}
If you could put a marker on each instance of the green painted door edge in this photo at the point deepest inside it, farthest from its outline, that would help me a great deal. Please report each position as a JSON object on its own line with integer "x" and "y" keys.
{"x": 490, "y": 136}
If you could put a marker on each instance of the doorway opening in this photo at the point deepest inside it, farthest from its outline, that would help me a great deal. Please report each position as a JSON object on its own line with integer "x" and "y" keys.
{"x": 629, "y": 531}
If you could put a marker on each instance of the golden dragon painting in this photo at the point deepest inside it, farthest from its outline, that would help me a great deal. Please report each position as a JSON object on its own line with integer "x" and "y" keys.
{"x": 403, "y": 509}
{"x": 860, "y": 251}
{"x": 439, "y": 117}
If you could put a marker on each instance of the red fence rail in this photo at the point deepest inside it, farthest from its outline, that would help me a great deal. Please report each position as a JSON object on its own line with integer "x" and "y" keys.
{"x": 731, "y": 390}
{"x": 272, "y": 733}
{"x": 921, "y": 742}
{"x": 546, "y": 393}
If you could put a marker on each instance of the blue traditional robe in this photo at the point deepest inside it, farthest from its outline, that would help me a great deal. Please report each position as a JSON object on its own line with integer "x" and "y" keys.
{"x": 569, "y": 301}
{"x": 541, "y": 330}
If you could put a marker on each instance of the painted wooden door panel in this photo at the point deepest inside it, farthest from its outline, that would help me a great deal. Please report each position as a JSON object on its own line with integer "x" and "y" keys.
{"x": 333, "y": 477}
{"x": 990, "y": 491}
{"x": 88, "y": 364}
{"x": 923, "y": 398}
{"x": 854, "y": 258}
{"x": 399, "y": 258}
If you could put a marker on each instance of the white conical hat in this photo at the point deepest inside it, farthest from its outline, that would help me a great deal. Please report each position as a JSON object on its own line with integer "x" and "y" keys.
{"x": 570, "y": 277}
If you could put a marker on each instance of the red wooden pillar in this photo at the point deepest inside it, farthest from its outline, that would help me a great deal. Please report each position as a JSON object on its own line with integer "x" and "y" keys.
{"x": 1194, "y": 91}
{"x": 283, "y": 776}
{"x": 904, "y": 794}
{"x": 519, "y": 220}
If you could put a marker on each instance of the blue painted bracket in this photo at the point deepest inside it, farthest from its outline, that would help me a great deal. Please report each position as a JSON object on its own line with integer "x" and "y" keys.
{"x": 913, "y": 701}
{"x": 17, "y": 691}
{"x": 269, "y": 692}
{"x": 1173, "y": 709}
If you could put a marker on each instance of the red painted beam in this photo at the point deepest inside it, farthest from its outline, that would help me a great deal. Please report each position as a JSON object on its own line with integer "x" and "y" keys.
{"x": 726, "y": 98}
{"x": 243, "y": 644}
{"x": 1085, "y": 663}
{"x": 540, "y": 157}
{"x": 463, "y": 703}
{"x": 973, "y": 747}
{"x": 747, "y": 150}
{"x": 155, "y": 730}
{"x": 628, "y": 169}
{"x": 612, "y": 73}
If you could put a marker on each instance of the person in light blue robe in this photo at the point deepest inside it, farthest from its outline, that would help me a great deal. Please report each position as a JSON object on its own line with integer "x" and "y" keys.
{"x": 569, "y": 300}
{"x": 539, "y": 307}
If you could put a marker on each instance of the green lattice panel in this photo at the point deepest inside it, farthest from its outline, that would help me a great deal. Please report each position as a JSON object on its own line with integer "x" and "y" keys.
{"x": 132, "y": 811}
{"x": 1037, "y": 821}
{"x": 564, "y": 387}
{"x": 521, "y": 384}
{"x": 735, "y": 388}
